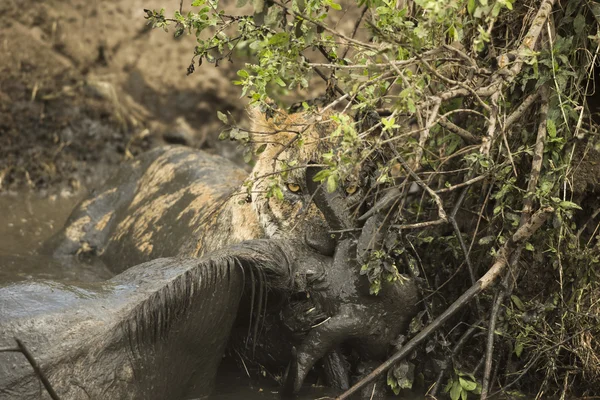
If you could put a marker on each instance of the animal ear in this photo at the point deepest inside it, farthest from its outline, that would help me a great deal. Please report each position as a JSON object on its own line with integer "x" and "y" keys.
{"x": 267, "y": 123}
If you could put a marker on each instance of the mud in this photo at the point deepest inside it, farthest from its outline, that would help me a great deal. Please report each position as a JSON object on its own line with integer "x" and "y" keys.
{"x": 85, "y": 85}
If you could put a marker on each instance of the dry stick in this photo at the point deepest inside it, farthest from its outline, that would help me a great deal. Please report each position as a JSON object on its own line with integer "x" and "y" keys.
{"x": 499, "y": 298}
{"x": 463, "y": 246}
{"x": 532, "y": 36}
{"x": 425, "y": 132}
{"x": 460, "y": 185}
{"x": 501, "y": 260}
{"x": 463, "y": 133}
{"x": 536, "y": 166}
{"x": 518, "y": 113}
{"x": 37, "y": 369}
{"x": 486, "y": 143}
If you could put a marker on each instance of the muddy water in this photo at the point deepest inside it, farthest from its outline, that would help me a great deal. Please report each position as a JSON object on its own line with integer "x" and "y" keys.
{"x": 27, "y": 219}
{"x": 238, "y": 387}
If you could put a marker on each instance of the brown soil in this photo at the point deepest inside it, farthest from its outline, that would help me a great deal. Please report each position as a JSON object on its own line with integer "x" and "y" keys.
{"x": 85, "y": 85}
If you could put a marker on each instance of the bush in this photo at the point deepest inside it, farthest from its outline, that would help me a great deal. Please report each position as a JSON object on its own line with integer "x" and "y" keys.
{"x": 487, "y": 107}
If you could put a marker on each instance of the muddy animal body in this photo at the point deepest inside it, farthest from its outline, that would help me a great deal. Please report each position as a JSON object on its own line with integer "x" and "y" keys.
{"x": 159, "y": 205}
{"x": 156, "y": 331}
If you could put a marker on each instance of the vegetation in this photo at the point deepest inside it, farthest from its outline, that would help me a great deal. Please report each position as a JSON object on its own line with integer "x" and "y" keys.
{"x": 486, "y": 106}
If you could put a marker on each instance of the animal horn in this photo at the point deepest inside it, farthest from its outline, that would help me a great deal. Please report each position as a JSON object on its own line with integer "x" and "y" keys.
{"x": 332, "y": 205}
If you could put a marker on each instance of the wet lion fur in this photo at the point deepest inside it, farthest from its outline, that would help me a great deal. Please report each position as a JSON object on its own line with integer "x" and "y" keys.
{"x": 177, "y": 201}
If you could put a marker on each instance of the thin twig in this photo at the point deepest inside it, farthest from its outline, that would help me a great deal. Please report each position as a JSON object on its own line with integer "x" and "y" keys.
{"x": 461, "y": 185}
{"x": 325, "y": 27}
{"x": 420, "y": 225}
{"x": 463, "y": 246}
{"x": 463, "y": 133}
{"x": 37, "y": 369}
{"x": 356, "y": 26}
{"x": 538, "y": 156}
{"x": 441, "y": 213}
{"x": 489, "y": 351}
{"x": 518, "y": 113}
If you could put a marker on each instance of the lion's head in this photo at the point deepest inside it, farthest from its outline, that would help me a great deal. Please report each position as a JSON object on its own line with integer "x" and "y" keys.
{"x": 285, "y": 144}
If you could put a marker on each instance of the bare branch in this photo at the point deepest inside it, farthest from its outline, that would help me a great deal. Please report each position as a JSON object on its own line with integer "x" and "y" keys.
{"x": 37, "y": 369}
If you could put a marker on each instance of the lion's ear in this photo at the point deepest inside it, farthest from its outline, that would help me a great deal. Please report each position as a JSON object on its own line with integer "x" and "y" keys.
{"x": 268, "y": 124}
{"x": 258, "y": 120}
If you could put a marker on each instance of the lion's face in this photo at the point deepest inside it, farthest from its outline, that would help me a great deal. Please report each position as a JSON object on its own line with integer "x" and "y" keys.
{"x": 279, "y": 194}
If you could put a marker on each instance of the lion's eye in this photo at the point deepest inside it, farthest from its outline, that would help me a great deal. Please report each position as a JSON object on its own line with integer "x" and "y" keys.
{"x": 292, "y": 187}
{"x": 351, "y": 189}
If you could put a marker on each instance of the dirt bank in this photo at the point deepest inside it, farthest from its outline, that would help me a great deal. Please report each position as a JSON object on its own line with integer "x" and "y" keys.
{"x": 85, "y": 85}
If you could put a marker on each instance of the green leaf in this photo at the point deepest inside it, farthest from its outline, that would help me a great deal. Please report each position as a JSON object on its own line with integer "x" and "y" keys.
{"x": 579, "y": 24}
{"x": 335, "y": 6}
{"x": 448, "y": 386}
{"x": 248, "y": 155}
{"x": 222, "y": 117}
{"x": 569, "y": 205}
{"x": 280, "y": 81}
{"x": 467, "y": 384}
{"x": 224, "y": 135}
{"x": 529, "y": 247}
{"x": 279, "y": 38}
{"x": 331, "y": 183}
{"x": 518, "y": 348}
{"x": 551, "y": 128}
{"x": 259, "y": 6}
{"x": 471, "y": 7}
{"x": 241, "y": 3}
{"x": 321, "y": 175}
{"x": 456, "y": 390}
{"x": 261, "y": 149}
{"x": 486, "y": 240}
{"x": 517, "y": 302}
